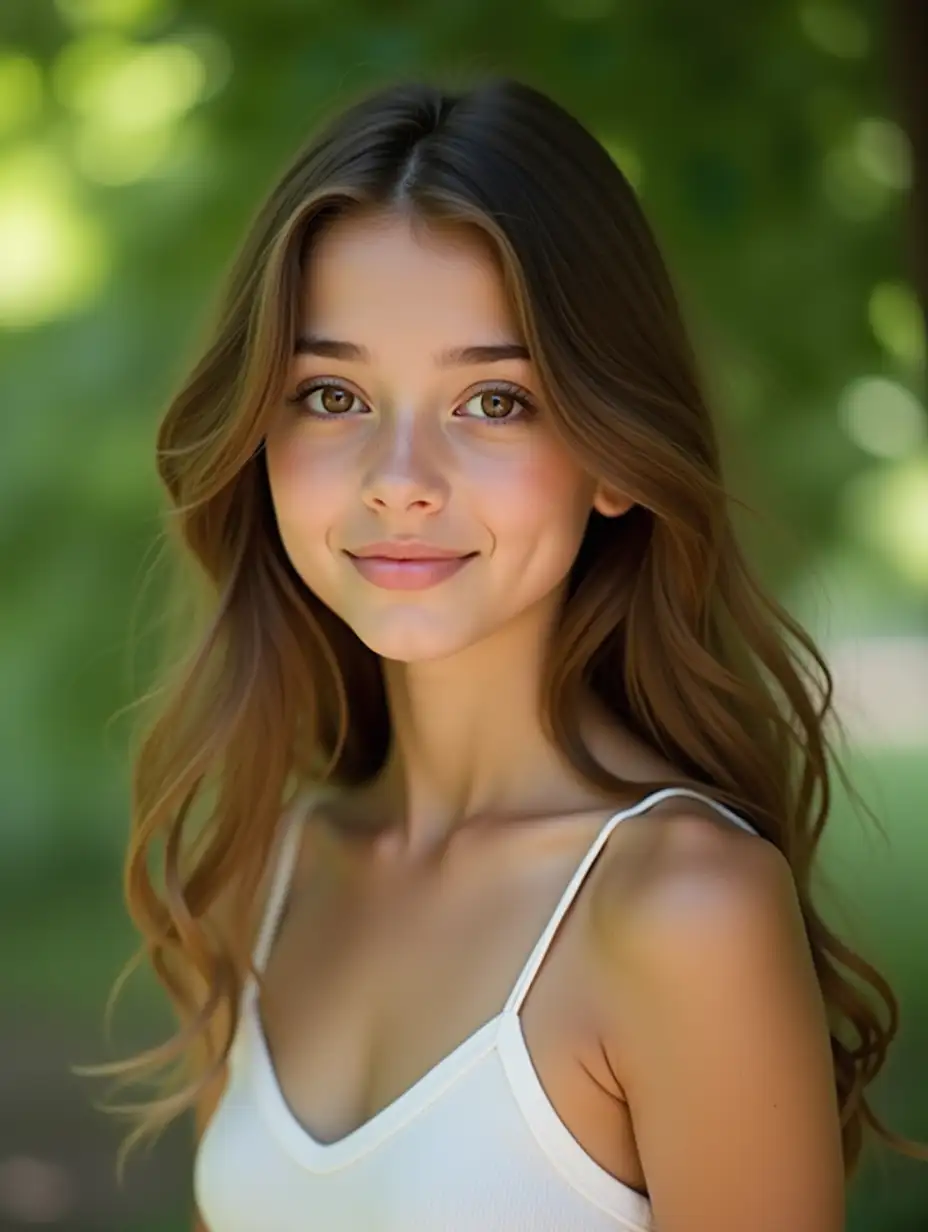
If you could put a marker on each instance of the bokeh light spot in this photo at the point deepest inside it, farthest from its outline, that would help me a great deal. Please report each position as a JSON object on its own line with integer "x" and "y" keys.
{"x": 130, "y": 99}
{"x": 849, "y": 187}
{"x": 884, "y": 153}
{"x": 128, "y": 87}
{"x": 888, "y": 508}
{"x": 53, "y": 256}
{"x": 897, "y": 322}
{"x": 883, "y": 417}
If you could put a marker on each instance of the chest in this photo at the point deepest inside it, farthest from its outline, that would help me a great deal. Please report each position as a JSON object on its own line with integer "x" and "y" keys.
{"x": 374, "y": 983}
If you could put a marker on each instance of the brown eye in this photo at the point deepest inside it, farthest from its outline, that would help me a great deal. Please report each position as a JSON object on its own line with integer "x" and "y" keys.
{"x": 496, "y": 405}
{"x": 326, "y": 400}
{"x": 499, "y": 405}
{"x": 335, "y": 399}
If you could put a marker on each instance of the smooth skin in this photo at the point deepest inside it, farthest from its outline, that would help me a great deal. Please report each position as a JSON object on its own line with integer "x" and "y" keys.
{"x": 714, "y": 1075}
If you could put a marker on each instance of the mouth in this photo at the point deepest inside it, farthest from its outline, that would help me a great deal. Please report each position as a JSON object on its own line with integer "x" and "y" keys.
{"x": 409, "y": 573}
{"x": 404, "y": 559}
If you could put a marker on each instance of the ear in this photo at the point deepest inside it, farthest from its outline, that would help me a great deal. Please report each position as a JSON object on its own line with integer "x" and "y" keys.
{"x": 609, "y": 503}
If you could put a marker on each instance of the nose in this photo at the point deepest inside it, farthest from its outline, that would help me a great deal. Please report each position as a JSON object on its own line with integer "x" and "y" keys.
{"x": 403, "y": 474}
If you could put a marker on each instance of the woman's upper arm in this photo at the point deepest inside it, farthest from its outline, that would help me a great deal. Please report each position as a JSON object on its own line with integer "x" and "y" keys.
{"x": 718, "y": 1034}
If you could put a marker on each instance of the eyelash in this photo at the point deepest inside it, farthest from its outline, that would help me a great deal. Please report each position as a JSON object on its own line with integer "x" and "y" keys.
{"x": 521, "y": 396}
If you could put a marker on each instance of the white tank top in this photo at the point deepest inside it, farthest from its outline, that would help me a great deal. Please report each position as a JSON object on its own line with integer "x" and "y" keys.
{"x": 473, "y": 1146}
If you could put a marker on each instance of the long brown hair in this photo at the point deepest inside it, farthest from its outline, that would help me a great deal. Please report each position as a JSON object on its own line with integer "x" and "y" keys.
{"x": 662, "y": 619}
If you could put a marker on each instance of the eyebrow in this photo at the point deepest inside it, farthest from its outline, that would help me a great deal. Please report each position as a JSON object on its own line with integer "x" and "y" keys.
{"x": 488, "y": 353}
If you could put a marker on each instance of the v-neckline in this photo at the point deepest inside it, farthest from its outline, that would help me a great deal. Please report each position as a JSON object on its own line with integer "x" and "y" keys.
{"x": 327, "y": 1156}
{"x": 502, "y": 1034}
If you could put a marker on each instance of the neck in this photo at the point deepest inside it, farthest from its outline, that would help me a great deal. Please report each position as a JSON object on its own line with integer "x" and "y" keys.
{"x": 468, "y": 740}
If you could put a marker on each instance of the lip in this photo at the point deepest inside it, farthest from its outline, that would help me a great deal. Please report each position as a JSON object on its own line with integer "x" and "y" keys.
{"x": 409, "y": 573}
{"x": 407, "y": 549}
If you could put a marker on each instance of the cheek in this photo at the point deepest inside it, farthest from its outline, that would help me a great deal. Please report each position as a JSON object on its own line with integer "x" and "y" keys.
{"x": 303, "y": 493}
{"x": 544, "y": 501}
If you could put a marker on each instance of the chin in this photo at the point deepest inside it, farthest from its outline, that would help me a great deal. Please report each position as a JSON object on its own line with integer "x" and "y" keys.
{"x": 411, "y": 641}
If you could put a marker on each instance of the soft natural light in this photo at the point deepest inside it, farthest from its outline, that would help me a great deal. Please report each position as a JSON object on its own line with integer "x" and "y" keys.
{"x": 21, "y": 92}
{"x": 883, "y": 417}
{"x": 53, "y": 256}
{"x": 884, "y": 153}
{"x": 897, "y": 322}
{"x": 122, "y": 14}
{"x": 129, "y": 98}
{"x": 134, "y": 87}
{"x": 888, "y": 509}
{"x": 114, "y": 158}
{"x": 866, "y": 168}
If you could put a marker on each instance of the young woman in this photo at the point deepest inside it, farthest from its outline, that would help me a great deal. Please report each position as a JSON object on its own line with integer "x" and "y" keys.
{"x": 490, "y": 790}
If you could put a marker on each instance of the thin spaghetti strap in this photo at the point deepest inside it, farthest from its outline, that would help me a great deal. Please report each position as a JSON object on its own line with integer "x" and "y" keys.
{"x": 287, "y": 848}
{"x": 536, "y": 958}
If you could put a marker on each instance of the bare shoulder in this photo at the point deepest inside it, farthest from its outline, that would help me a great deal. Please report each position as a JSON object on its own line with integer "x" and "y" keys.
{"x": 686, "y": 899}
{"x": 715, "y": 1026}
{"x": 685, "y": 867}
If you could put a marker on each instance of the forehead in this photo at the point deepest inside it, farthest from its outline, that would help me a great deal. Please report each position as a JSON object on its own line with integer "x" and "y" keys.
{"x": 373, "y": 274}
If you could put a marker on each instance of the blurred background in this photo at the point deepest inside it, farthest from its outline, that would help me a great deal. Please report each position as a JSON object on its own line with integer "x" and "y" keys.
{"x": 779, "y": 149}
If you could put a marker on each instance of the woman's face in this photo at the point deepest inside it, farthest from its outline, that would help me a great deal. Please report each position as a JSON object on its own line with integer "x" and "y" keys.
{"x": 404, "y": 422}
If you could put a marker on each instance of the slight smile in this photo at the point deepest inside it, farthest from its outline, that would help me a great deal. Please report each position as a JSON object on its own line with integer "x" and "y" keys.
{"x": 408, "y": 573}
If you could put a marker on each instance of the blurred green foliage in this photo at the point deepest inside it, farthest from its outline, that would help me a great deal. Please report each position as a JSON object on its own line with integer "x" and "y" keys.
{"x": 136, "y": 137}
